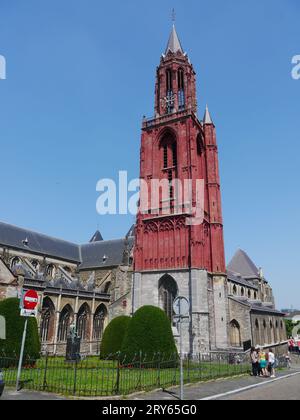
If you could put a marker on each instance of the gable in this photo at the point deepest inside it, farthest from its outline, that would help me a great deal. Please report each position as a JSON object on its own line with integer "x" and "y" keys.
{"x": 6, "y": 276}
{"x": 242, "y": 264}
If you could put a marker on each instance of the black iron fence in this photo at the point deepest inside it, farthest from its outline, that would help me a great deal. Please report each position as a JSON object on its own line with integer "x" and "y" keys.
{"x": 92, "y": 377}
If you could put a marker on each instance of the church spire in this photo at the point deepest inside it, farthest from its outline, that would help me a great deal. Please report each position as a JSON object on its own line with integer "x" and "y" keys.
{"x": 174, "y": 44}
{"x": 207, "y": 118}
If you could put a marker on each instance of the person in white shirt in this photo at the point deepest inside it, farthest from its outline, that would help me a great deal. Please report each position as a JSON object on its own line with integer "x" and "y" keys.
{"x": 271, "y": 360}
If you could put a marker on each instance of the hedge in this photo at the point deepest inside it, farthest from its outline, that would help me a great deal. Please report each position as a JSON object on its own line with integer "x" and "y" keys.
{"x": 10, "y": 310}
{"x": 150, "y": 334}
{"x": 113, "y": 337}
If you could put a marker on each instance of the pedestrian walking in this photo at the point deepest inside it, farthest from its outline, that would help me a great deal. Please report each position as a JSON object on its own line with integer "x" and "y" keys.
{"x": 271, "y": 363}
{"x": 263, "y": 364}
{"x": 254, "y": 362}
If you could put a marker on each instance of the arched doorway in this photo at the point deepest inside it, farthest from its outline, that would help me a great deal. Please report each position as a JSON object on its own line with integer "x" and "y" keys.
{"x": 47, "y": 320}
{"x": 65, "y": 320}
{"x": 168, "y": 291}
{"x": 235, "y": 334}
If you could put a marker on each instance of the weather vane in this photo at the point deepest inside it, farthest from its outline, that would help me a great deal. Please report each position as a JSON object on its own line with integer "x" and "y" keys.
{"x": 173, "y": 15}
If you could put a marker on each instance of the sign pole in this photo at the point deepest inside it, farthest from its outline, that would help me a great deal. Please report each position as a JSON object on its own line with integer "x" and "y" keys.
{"x": 21, "y": 355}
{"x": 181, "y": 307}
{"x": 181, "y": 355}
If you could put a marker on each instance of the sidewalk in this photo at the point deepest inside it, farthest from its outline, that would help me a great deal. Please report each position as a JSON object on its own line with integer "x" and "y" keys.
{"x": 209, "y": 389}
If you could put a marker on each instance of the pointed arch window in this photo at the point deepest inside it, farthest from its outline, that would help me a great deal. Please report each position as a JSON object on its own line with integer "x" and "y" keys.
{"x": 165, "y": 149}
{"x": 168, "y": 145}
{"x": 168, "y": 291}
{"x": 15, "y": 262}
{"x": 82, "y": 326}
{"x": 235, "y": 334}
{"x": 174, "y": 153}
{"x": 107, "y": 288}
{"x": 181, "y": 94}
{"x": 65, "y": 320}
{"x": 99, "y": 322}
{"x": 47, "y": 320}
{"x": 170, "y": 97}
{"x": 50, "y": 271}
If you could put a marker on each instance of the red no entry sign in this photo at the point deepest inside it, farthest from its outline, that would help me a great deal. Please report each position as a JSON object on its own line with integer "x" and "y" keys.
{"x": 30, "y": 300}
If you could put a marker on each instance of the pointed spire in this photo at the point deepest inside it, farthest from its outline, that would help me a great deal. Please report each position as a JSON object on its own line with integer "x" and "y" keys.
{"x": 174, "y": 44}
{"x": 207, "y": 118}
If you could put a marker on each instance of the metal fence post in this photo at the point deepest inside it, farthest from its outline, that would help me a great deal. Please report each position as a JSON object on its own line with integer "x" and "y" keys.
{"x": 75, "y": 378}
{"x": 140, "y": 368}
{"x": 45, "y": 372}
{"x": 117, "y": 386}
{"x": 158, "y": 368}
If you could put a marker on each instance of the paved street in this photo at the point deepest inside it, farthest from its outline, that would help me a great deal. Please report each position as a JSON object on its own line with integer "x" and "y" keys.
{"x": 215, "y": 388}
{"x": 10, "y": 394}
{"x": 287, "y": 389}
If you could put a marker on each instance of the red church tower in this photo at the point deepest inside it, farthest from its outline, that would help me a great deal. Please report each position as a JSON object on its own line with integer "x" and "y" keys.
{"x": 170, "y": 254}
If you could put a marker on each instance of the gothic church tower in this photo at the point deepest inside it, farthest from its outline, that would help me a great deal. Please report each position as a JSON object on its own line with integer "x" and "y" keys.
{"x": 173, "y": 257}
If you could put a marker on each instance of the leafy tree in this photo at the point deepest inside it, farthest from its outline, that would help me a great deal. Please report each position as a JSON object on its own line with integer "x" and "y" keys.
{"x": 290, "y": 325}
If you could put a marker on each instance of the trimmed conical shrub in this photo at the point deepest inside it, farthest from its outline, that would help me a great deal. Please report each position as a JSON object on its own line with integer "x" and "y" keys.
{"x": 150, "y": 335}
{"x": 113, "y": 337}
{"x": 10, "y": 310}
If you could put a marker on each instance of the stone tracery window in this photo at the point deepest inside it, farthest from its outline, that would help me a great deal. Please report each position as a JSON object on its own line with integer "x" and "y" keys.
{"x": 82, "y": 325}
{"x": 235, "y": 334}
{"x": 47, "y": 320}
{"x": 50, "y": 271}
{"x": 15, "y": 262}
{"x": 35, "y": 264}
{"x": 65, "y": 320}
{"x": 99, "y": 322}
{"x": 168, "y": 291}
{"x": 181, "y": 95}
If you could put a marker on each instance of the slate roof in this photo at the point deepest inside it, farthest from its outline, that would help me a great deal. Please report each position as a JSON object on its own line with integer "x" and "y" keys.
{"x": 174, "y": 44}
{"x": 29, "y": 241}
{"x": 256, "y": 307}
{"x": 207, "y": 118}
{"x": 243, "y": 265}
{"x": 105, "y": 253}
{"x": 89, "y": 255}
{"x": 240, "y": 280}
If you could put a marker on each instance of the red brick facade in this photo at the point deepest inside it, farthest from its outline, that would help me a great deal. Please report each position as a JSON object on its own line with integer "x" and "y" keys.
{"x": 176, "y": 145}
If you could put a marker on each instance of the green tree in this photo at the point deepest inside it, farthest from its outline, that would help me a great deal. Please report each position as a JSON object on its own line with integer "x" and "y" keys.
{"x": 290, "y": 325}
{"x": 113, "y": 337}
{"x": 149, "y": 333}
{"x": 10, "y": 310}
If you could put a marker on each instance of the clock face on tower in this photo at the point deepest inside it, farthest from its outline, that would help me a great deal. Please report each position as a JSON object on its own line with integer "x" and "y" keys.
{"x": 168, "y": 102}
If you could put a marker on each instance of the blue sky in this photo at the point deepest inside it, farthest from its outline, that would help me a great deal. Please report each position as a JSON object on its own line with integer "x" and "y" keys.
{"x": 80, "y": 76}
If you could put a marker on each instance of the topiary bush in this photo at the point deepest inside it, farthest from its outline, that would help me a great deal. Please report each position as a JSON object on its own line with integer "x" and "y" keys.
{"x": 149, "y": 334}
{"x": 113, "y": 337}
{"x": 10, "y": 348}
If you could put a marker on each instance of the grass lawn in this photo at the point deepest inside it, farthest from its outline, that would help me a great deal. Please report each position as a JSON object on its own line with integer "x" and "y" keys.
{"x": 94, "y": 377}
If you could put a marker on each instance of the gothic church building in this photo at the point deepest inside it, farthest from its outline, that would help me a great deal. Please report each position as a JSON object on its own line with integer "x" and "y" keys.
{"x": 162, "y": 256}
